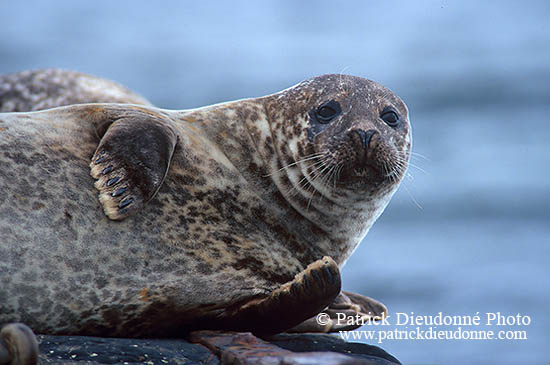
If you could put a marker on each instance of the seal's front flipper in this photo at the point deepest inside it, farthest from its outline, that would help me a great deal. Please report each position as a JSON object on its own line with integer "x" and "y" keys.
{"x": 310, "y": 291}
{"x": 18, "y": 345}
{"x": 131, "y": 161}
{"x": 347, "y": 312}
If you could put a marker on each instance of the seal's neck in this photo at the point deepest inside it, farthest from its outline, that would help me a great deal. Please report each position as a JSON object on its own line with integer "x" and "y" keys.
{"x": 248, "y": 136}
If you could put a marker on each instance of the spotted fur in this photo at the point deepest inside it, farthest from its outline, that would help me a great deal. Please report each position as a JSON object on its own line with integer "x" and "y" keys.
{"x": 230, "y": 223}
{"x": 50, "y": 88}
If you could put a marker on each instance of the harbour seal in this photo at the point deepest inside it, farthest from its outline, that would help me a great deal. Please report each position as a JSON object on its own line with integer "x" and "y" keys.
{"x": 236, "y": 216}
{"x": 49, "y": 88}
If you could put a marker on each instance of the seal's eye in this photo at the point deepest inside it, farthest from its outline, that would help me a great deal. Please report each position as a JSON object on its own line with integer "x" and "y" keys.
{"x": 327, "y": 111}
{"x": 390, "y": 116}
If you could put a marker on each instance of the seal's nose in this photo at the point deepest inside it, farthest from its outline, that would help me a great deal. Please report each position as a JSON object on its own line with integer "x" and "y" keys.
{"x": 365, "y": 136}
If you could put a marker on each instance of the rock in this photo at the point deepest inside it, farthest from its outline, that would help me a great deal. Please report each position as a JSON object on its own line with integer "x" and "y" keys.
{"x": 212, "y": 347}
{"x": 290, "y": 349}
{"x": 320, "y": 342}
{"x": 98, "y": 350}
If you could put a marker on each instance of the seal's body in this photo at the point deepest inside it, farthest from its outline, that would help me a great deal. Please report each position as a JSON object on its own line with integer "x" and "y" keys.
{"x": 44, "y": 89}
{"x": 225, "y": 216}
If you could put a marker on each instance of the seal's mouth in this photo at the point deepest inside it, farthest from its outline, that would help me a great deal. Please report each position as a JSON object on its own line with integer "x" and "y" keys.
{"x": 366, "y": 159}
{"x": 365, "y": 174}
{"x": 355, "y": 162}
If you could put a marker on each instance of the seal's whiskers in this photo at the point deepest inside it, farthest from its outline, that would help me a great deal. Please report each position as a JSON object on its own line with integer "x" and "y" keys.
{"x": 320, "y": 173}
{"x": 316, "y": 168}
{"x": 307, "y": 158}
{"x": 419, "y": 156}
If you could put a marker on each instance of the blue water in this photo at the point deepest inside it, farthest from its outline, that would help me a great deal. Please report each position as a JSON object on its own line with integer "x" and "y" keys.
{"x": 476, "y": 78}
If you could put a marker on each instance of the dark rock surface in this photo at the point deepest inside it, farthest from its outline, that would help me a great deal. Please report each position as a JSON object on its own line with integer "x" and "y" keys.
{"x": 97, "y": 350}
{"x": 210, "y": 347}
{"x": 319, "y": 342}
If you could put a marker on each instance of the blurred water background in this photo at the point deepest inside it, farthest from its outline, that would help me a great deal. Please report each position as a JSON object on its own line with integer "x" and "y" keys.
{"x": 476, "y": 78}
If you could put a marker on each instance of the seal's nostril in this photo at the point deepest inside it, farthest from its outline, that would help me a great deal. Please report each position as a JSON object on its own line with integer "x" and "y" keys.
{"x": 365, "y": 136}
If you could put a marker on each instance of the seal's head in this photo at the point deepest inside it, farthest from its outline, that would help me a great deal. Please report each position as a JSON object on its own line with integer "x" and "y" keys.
{"x": 349, "y": 134}
{"x": 342, "y": 138}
